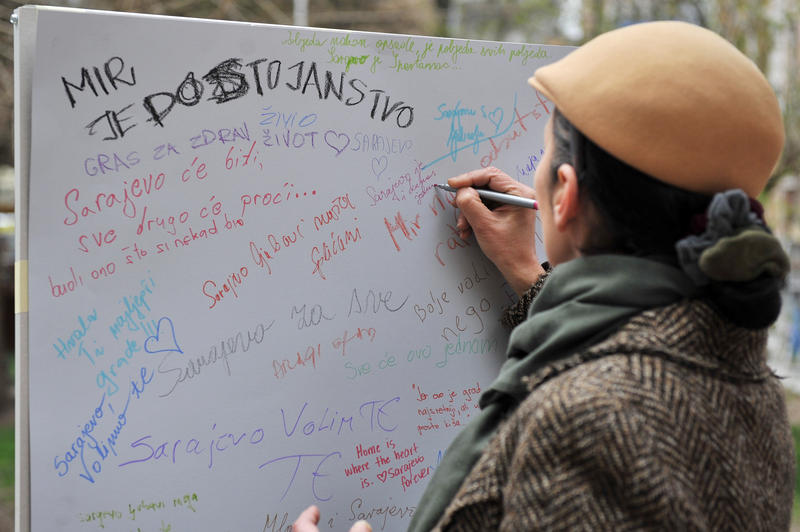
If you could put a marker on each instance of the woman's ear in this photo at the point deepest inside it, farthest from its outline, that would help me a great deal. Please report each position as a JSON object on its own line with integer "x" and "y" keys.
{"x": 565, "y": 197}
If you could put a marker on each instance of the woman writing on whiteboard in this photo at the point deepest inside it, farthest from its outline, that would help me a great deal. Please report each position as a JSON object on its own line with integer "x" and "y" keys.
{"x": 636, "y": 393}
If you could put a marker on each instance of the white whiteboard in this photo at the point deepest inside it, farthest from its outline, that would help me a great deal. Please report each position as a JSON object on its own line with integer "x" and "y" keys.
{"x": 244, "y": 294}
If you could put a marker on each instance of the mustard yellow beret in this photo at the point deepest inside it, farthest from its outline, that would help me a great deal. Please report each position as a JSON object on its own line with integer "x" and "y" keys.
{"x": 673, "y": 100}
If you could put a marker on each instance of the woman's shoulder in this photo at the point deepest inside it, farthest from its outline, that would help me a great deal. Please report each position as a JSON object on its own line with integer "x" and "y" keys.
{"x": 662, "y": 360}
{"x": 685, "y": 338}
{"x": 670, "y": 381}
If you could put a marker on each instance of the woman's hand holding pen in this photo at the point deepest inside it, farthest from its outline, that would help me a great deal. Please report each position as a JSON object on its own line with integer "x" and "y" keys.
{"x": 506, "y": 234}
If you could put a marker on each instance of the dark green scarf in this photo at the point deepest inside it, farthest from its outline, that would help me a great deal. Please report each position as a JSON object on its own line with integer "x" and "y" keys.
{"x": 582, "y": 302}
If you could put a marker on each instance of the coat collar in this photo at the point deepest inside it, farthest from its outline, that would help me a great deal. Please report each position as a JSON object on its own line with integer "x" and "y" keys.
{"x": 689, "y": 333}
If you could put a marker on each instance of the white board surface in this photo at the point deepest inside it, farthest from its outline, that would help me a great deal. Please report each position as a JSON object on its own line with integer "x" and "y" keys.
{"x": 245, "y": 296}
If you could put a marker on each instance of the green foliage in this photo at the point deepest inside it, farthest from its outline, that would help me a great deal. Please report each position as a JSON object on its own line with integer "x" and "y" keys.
{"x": 6, "y": 463}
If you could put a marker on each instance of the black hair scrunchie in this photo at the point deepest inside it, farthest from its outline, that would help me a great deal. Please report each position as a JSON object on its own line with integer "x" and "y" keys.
{"x": 737, "y": 259}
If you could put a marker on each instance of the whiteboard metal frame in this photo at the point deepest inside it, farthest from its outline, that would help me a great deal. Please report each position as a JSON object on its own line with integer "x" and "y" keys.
{"x": 24, "y": 20}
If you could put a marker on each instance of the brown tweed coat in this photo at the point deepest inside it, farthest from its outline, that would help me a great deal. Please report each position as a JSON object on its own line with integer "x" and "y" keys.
{"x": 675, "y": 422}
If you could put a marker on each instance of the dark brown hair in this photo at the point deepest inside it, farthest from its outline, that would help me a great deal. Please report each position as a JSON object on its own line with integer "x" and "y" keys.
{"x": 635, "y": 214}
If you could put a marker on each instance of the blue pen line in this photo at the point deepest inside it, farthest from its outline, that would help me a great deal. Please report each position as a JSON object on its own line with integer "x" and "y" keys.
{"x": 451, "y": 152}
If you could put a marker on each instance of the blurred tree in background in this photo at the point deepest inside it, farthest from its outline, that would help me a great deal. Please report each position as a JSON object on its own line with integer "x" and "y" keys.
{"x": 765, "y": 30}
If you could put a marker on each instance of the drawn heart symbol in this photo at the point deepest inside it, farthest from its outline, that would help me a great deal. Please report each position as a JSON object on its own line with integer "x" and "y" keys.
{"x": 160, "y": 344}
{"x": 496, "y": 118}
{"x": 382, "y": 476}
{"x": 379, "y": 165}
{"x": 337, "y": 141}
